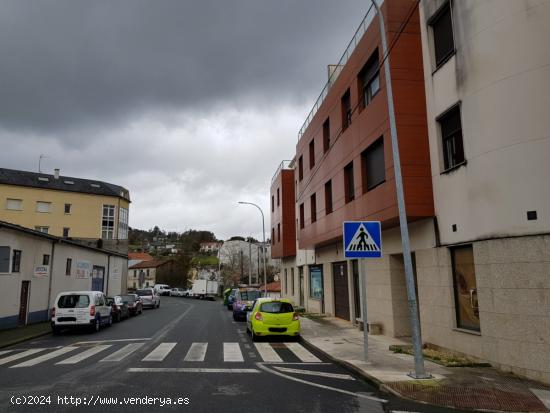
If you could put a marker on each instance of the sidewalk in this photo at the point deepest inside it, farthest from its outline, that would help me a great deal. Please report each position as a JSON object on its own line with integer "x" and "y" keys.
{"x": 476, "y": 388}
{"x": 20, "y": 334}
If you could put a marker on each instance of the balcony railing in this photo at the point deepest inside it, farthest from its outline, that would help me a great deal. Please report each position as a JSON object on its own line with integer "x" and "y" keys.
{"x": 286, "y": 164}
{"x": 337, "y": 69}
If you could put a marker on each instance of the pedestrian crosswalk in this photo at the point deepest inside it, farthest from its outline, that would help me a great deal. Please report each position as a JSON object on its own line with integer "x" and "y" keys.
{"x": 179, "y": 353}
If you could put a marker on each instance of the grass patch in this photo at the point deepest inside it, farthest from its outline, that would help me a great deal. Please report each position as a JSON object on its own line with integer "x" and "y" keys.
{"x": 204, "y": 260}
{"x": 441, "y": 356}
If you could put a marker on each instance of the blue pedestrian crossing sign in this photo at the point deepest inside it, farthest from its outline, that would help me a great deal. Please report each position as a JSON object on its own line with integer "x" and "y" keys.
{"x": 362, "y": 239}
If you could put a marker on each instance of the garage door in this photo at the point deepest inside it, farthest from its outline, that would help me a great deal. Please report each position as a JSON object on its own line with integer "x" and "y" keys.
{"x": 341, "y": 294}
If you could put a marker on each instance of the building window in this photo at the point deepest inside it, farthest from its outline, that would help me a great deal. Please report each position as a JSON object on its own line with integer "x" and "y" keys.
{"x": 278, "y": 198}
{"x": 147, "y": 273}
{"x": 292, "y": 281}
{"x": 14, "y": 204}
{"x": 272, "y": 203}
{"x": 16, "y": 261}
{"x": 123, "y": 223}
{"x": 302, "y": 216}
{"x": 326, "y": 135}
{"x": 313, "y": 203}
{"x": 451, "y": 136}
{"x": 45, "y": 259}
{"x": 279, "y": 232}
{"x": 286, "y": 282}
{"x": 328, "y": 197}
{"x": 374, "y": 167}
{"x": 300, "y": 168}
{"x": 369, "y": 80}
{"x": 312, "y": 154}
{"x": 346, "y": 110}
{"x": 465, "y": 288}
{"x": 68, "y": 208}
{"x": 442, "y": 29}
{"x": 43, "y": 207}
{"x": 45, "y": 230}
{"x": 349, "y": 184}
{"x": 273, "y": 235}
{"x": 4, "y": 259}
{"x": 108, "y": 222}
{"x": 68, "y": 266}
{"x": 66, "y": 232}
{"x": 316, "y": 282}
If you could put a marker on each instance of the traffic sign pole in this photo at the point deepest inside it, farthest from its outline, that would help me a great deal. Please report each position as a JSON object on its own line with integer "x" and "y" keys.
{"x": 363, "y": 286}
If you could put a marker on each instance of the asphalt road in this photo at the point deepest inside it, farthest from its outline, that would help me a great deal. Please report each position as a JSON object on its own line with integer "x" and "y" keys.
{"x": 191, "y": 356}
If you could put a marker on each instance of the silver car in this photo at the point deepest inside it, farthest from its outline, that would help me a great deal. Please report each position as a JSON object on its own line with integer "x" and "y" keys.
{"x": 149, "y": 298}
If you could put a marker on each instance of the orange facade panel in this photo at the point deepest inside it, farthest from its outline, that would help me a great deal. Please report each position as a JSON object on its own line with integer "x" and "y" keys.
{"x": 360, "y": 152}
{"x": 283, "y": 224}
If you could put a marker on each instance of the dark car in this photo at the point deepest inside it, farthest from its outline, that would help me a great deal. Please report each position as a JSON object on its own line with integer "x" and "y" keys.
{"x": 133, "y": 301}
{"x": 119, "y": 309}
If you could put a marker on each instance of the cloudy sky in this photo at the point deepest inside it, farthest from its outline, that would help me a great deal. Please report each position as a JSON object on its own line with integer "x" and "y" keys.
{"x": 191, "y": 105}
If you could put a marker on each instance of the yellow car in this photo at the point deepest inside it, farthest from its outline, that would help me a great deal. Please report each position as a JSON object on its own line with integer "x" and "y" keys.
{"x": 272, "y": 317}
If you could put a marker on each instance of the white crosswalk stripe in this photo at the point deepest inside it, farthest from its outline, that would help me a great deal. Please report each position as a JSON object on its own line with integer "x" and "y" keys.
{"x": 232, "y": 352}
{"x": 84, "y": 355}
{"x": 21, "y": 355}
{"x": 45, "y": 357}
{"x": 160, "y": 352}
{"x": 5, "y": 352}
{"x": 300, "y": 352}
{"x": 197, "y": 352}
{"x": 267, "y": 353}
{"x": 123, "y": 352}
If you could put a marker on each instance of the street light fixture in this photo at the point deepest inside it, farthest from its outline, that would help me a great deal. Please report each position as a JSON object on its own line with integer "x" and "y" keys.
{"x": 263, "y": 235}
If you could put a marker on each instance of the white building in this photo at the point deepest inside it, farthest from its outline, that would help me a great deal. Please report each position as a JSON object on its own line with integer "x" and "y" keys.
{"x": 35, "y": 267}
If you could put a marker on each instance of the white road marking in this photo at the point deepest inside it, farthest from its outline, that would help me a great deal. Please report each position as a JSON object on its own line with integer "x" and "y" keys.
{"x": 360, "y": 395}
{"x": 5, "y": 352}
{"x": 267, "y": 353}
{"x": 18, "y": 356}
{"x": 196, "y": 352}
{"x": 159, "y": 353}
{"x": 315, "y": 373}
{"x": 85, "y": 354}
{"x": 123, "y": 352}
{"x": 300, "y": 352}
{"x": 188, "y": 370}
{"x": 111, "y": 341}
{"x": 232, "y": 352}
{"x": 543, "y": 395}
{"x": 45, "y": 357}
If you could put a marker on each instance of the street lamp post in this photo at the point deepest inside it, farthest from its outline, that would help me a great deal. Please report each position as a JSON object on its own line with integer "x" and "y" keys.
{"x": 419, "y": 370}
{"x": 263, "y": 246}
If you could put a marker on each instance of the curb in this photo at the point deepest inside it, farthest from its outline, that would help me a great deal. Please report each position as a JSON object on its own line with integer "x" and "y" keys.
{"x": 22, "y": 339}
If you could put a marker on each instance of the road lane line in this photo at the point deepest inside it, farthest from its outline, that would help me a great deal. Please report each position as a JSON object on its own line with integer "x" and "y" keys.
{"x": 123, "y": 352}
{"x": 45, "y": 357}
{"x": 18, "y": 356}
{"x": 267, "y": 353}
{"x": 159, "y": 353}
{"x": 85, "y": 354}
{"x": 321, "y": 386}
{"x": 196, "y": 352}
{"x": 188, "y": 370}
{"x": 315, "y": 373}
{"x": 300, "y": 352}
{"x": 232, "y": 352}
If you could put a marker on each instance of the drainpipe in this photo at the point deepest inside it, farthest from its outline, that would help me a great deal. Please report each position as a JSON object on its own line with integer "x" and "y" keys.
{"x": 108, "y": 274}
{"x": 51, "y": 279}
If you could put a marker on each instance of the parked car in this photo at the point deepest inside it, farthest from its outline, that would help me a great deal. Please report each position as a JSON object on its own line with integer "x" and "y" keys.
{"x": 119, "y": 309}
{"x": 188, "y": 293}
{"x": 273, "y": 316}
{"x": 244, "y": 298}
{"x": 80, "y": 309}
{"x": 231, "y": 298}
{"x": 133, "y": 301}
{"x": 177, "y": 292}
{"x": 162, "y": 289}
{"x": 149, "y": 298}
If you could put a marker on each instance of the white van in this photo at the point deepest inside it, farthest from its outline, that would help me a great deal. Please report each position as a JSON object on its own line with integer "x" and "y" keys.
{"x": 162, "y": 289}
{"x": 80, "y": 308}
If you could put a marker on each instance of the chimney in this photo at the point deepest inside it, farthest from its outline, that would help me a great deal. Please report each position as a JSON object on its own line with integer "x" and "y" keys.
{"x": 56, "y": 173}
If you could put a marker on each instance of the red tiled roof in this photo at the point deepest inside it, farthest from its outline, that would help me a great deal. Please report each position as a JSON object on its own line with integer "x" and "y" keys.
{"x": 274, "y": 287}
{"x": 149, "y": 264}
{"x": 143, "y": 256}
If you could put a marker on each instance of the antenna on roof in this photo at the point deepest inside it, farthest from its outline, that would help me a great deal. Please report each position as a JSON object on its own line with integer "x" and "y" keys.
{"x": 40, "y": 162}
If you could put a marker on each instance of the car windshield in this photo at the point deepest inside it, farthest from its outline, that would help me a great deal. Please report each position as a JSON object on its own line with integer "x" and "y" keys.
{"x": 250, "y": 295}
{"x": 276, "y": 307}
{"x": 141, "y": 293}
{"x": 73, "y": 301}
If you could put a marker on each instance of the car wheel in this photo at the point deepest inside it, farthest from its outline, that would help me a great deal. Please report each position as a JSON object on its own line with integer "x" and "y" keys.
{"x": 158, "y": 305}
{"x": 141, "y": 310}
{"x": 97, "y": 325}
{"x": 254, "y": 336}
{"x": 110, "y": 321}
{"x": 116, "y": 318}
{"x": 234, "y": 317}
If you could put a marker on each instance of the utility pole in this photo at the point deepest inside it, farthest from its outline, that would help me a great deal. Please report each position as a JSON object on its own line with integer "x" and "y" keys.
{"x": 249, "y": 261}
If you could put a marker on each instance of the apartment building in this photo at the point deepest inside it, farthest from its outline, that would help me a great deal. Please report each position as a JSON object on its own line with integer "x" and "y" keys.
{"x": 81, "y": 209}
{"x": 471, "y": 84}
